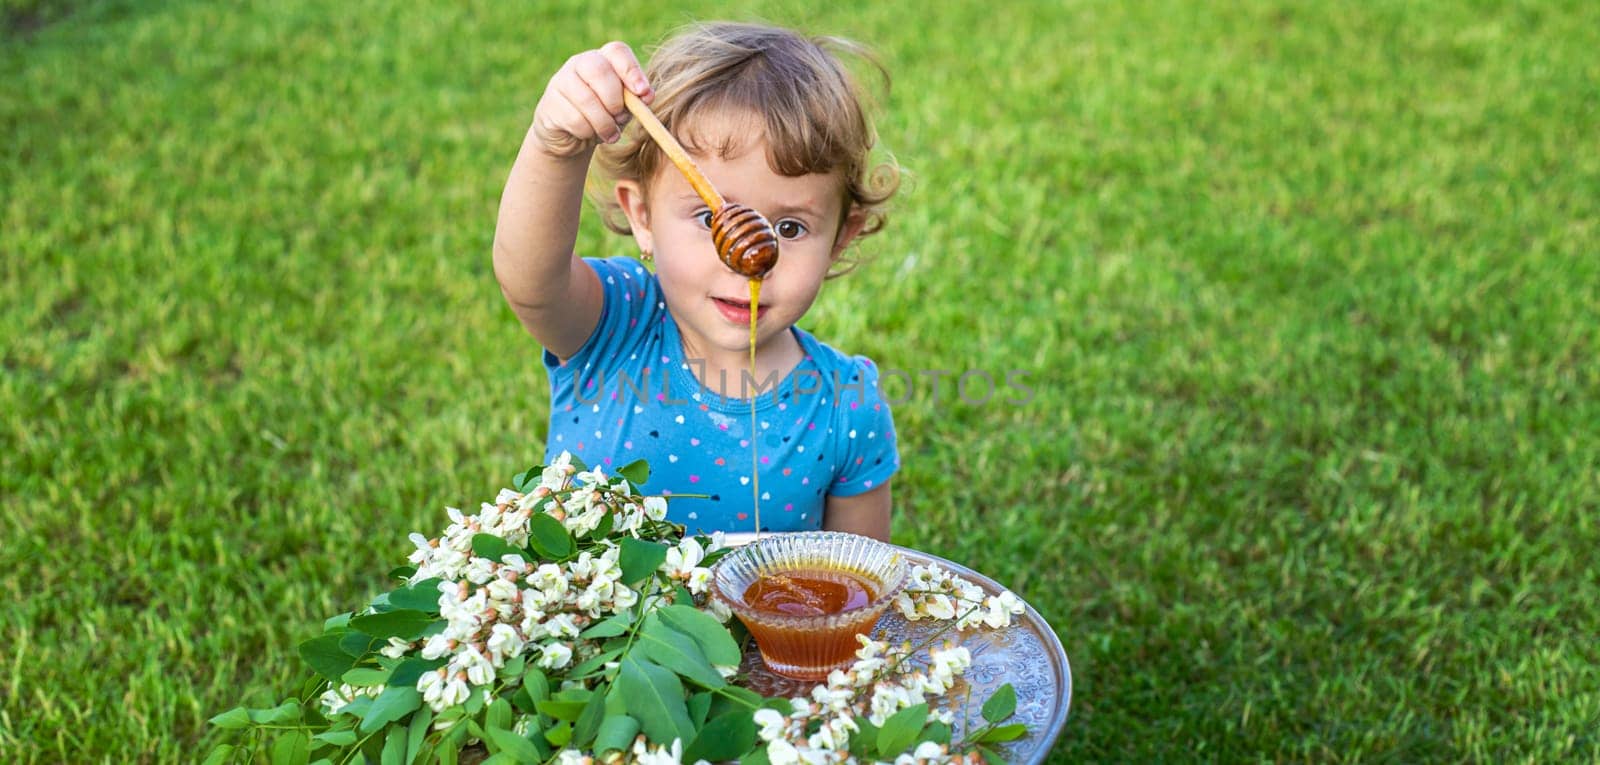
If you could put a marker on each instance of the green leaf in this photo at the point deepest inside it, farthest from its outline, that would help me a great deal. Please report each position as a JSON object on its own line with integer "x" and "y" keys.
{"x": 1001, "y": 704}
{"x": 713, "y": 638}
{"x": 393, "y": 704}
{"x": 559, "y": 735}
{"x": 681, "y": 595}
{"x": 991, "y": 756}
{"x": 493, "y": 547}
{"x": 475, "y": 702}
{"x": 341, "y": 737}
{"x": 411, "y": 670}
{"x": 221, "y": 754}
{"x": 325, "y": 656}
{"x": 285, "y": 712}
{"x": 561, "y": 710}
{"x": 595, "y": 662}
{"x": 527, "y": 479}
{"x": 937, "y": 732}
{"x": 358, "y": 644}
{"x": 514, "y": 667}
{"x": 654, "y": 696}
{"x": 616, "y": 733}
{"x": 291, "y": 748}
{"x": 637, "y": 472}
{"x": 394, "y": 747}
{"x": 549, "y": 538}
{"x": 518, "y": 748}
{"x": 676, "y": 651}
{"x": 1005, "y": 733}
{"x": 402, "y": 572}
{"x": 232, "y": 719}
{"x": 419, "y": 596}
{"x": 357, "y": 707}
{"x": 337, "y": 623}
{"x": 724, "y": 738}
{"x": 498, "y": 715}
{"x": 700, "y": 708}
{"x": 403, "y": 623}
{"x": 588, "y": 723}
{"x": 900, "y": 731}
{"x": 733, "y": 697}
{"x": 610, "y": 626}
{"x": 365, "y": 677}
{"x": 640, "y": 559}
{"x": 864, "y": 741}
{"x": 757, "y": 756}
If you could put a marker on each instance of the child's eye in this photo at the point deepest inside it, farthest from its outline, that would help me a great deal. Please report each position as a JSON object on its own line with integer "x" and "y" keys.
{"x": 789, "y": 228}
{"x": 704, "y": 216}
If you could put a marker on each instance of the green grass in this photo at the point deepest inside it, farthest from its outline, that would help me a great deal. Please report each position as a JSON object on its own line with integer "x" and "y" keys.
{"x": 1309, "y": 295}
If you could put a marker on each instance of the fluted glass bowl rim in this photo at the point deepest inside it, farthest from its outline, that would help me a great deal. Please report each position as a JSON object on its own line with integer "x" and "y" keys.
{"x": 898, "y": 574}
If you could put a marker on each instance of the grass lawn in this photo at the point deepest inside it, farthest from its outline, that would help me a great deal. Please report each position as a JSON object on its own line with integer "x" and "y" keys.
{"x": 1308, "y": 296}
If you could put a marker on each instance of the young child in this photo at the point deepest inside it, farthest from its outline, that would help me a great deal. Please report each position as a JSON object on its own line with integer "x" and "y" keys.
{"x": 656, "y": 365}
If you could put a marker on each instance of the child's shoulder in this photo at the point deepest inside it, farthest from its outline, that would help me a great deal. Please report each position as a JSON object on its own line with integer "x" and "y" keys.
{"x": 846, "y": 374}
{"x": 619, "y": 267}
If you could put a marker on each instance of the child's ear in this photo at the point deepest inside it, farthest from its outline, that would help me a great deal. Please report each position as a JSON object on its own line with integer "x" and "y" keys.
{"x": 630, "y": 197}
{"x": 849, "y": 228}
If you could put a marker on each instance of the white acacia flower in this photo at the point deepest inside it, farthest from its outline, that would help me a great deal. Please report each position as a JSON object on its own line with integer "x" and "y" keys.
{"x": 655, "y": 508}
{"x": 837, "y": 699}
{"x": 437, "y": 646}
{"x": 661, "y": 755}
{"x": 683, "y": 558}
{"x": 503, "y": 591}
{"x": 395, "y": 649}
{"x": 623, "y": 597}
{"x": 781, "y": 752}
{"x": 928, "y": 750}
{"x": 573, "y": 757}
{"x": 560, "y": 626}
{"x": 550, "y": 580}
{"x": 834, "y": 734}
{"x": 476, "y": 666}
{"x": 699, "y": 580}
{"x": 772, "y": 724}
{"x": 940, "y": 607}
{"x": 888, "y": 698}
{"x": 580, "y": 524}
{"x": 503, "y": 643}
{"x": 718, "y": 609}
{"x": 555, "y": 655}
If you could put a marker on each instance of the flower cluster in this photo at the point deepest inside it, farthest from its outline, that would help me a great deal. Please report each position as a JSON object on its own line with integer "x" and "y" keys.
{"x": 496, "y": 610}
{"x": 932, "y": 592}
{"x": 881, "y": 682}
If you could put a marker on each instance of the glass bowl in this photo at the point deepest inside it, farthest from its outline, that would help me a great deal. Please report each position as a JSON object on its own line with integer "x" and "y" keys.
{"x": 802, "y": 577}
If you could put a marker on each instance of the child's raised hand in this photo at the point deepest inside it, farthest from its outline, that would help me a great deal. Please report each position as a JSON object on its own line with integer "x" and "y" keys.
{"x": 582, "y": 104}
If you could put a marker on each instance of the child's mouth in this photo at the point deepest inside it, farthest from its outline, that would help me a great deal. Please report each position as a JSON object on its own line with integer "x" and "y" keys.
{"x": 737, "y": 311}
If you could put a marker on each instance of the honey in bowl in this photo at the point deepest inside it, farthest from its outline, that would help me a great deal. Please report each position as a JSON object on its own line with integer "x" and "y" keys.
{"x": 809, "y": 593}
{"x": 805, "y": 597}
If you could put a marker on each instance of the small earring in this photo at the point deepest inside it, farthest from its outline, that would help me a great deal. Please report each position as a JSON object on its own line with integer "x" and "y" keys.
{"x": 646, "y": 255}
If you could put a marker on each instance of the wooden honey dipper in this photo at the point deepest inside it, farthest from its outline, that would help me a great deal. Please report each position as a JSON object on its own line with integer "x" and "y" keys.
{"x": 744, "y": 239}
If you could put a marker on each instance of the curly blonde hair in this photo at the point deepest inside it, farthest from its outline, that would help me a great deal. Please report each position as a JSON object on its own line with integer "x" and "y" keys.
{"x": 810, "y": 105}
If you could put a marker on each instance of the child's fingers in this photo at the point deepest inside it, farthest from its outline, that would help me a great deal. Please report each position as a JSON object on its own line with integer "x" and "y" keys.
{"x": 591, "y": 112}
{"x": 596, "y": 72}
{"x": 626, "y": 65}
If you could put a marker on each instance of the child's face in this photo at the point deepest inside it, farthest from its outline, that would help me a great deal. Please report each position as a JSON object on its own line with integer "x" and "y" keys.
{"x": 711, "y": 301}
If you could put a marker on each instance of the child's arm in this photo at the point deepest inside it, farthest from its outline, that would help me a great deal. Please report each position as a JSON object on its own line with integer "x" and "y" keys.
{"x": 865, "y": 514}
{"x": 558, "y": 298}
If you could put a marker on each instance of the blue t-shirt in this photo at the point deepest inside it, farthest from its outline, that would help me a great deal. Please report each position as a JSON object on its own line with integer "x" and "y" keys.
{"x": 629, "y": 393}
